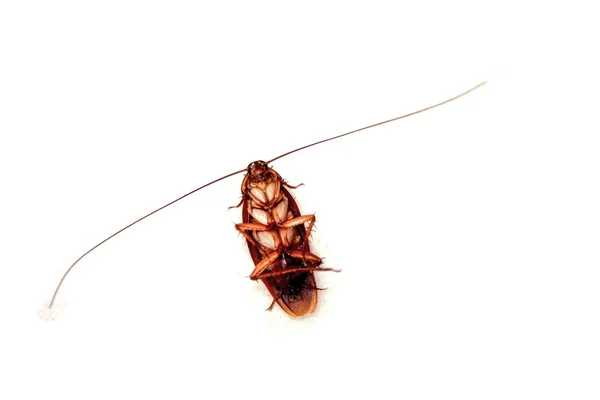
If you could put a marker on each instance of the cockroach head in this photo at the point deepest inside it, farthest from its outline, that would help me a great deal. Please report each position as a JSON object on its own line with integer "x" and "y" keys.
{"x": 258, "y": 170}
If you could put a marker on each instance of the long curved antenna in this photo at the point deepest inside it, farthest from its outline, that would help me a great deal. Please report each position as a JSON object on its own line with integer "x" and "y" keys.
{"x": 380, "y": 123}
{"x": 243, "y": 170}
{"x": 130, "y": 225}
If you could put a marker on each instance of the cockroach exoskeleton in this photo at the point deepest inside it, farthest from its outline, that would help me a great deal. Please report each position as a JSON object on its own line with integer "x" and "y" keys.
{"x": 277, "y": 238}
{"x": 276, "y": 233}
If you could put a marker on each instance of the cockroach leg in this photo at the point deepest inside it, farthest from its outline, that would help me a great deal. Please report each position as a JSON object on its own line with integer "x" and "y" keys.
{"x": 270, "y": 308}
{"x": 248, "y": 236}
{"x": 244, "y": 227}
{"x": 293, "y": 270}
{"x": 290, "y": 186}
{"x": 264, "y": 264}
{"x": 251, "y": 226}
{"x": 305, "y": 255}
{"x": 239, "y": 204}
{"x": 301, "y": 220}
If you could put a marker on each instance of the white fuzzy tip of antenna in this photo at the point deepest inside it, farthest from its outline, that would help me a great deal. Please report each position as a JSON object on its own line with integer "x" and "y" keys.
{"x": 49, "y": 314}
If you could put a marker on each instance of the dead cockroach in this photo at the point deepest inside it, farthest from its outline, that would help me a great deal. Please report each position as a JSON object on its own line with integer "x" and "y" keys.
{"x": 278, "y": 240}
{"x": 275, "y": 230}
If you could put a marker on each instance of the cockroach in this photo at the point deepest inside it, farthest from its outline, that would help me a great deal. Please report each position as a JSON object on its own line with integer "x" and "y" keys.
{"x": 278, "y": 240}
{"x": 275, "y": 230}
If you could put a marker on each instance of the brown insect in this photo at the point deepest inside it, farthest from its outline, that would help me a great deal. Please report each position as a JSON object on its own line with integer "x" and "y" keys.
{"x": 275, "y": 231}
{"x": 278, "y": 241}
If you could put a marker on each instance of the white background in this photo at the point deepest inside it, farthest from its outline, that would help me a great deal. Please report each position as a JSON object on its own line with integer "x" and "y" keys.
{"x": 468, "y": 236}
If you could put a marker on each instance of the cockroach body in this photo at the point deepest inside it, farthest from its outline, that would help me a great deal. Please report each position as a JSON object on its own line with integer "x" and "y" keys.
{"x": 274, "y": 229}
{"x": 278, "y": 240}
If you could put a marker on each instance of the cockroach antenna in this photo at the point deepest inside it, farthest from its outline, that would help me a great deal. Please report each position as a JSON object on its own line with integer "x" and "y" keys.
{"x": 274, "y": 229}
